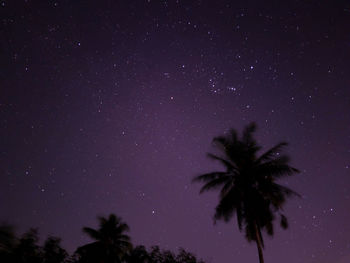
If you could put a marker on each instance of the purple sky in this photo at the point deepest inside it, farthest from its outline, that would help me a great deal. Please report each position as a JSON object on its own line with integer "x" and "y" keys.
{"x": 111, "y": 106}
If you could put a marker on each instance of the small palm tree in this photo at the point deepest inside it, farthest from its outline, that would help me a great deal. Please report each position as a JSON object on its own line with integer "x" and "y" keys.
{"x": 111, "y": 244}
{"x": 248, "y": 186}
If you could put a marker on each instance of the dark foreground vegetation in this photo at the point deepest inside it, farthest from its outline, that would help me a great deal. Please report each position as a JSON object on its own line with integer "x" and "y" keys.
{"x": 248, "y": 190}
{"x": 111, "y": 245}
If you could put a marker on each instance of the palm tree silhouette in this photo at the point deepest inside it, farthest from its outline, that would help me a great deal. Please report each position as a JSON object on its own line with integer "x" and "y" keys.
{"x": 111, "y": 244}
{"x": 248, "y": 186}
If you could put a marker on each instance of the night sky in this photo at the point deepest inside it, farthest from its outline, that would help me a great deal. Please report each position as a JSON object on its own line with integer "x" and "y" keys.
{"x": 111, "y": 106}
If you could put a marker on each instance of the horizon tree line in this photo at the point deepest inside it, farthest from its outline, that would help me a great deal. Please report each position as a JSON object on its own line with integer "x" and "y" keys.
{"x": 248, "y": 189}
{"x": 111, "y": 245}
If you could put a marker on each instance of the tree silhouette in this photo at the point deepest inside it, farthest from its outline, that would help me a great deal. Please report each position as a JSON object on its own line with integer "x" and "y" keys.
{"x": 111, "y": 244}
{"x": 8, "y": 242}
{"x": 139, "y": 255}
{"x": 248, "y": 187}
{"x": 187, "y": 257}
{"x": 166, "y": 256}
{"x": 53, "y": 252}
{"x": 158, "y": 256}
{"x": 28, "y": 250}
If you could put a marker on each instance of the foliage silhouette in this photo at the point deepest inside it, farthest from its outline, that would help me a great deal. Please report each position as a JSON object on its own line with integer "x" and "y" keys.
{"x": 248, "y": 186}
{"x": 140, "y": 255}
{"x": 53, "y": 252}
{"x": 8, "y": 242}
{"x": 186, "y": 257}
{"x": 111, "y": 245}
{"x": 28, "y": 250}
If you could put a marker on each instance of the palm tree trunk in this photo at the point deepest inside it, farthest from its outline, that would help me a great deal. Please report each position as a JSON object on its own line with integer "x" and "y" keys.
{"x": 259, "y": 243}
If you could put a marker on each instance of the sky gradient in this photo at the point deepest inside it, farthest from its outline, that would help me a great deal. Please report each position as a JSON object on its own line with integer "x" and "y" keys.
{"x": 111, "y": 107}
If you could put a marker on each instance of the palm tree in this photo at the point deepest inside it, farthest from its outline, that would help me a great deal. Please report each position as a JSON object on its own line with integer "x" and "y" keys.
{"x": 111, "y": 244}
{"x": 248, "y": 186}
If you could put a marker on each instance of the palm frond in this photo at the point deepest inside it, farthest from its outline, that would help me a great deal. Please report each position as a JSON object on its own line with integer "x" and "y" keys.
{"x": 227, "y": 206}
{"x": 113, "y": 219}
{"x": 92, "y": 233}
{"x": 213, "y": 184}
{"x": 234, "y": 136}
{"x": 271, "y": 152}
{"x": 248, "y": 131}
{"x": 208, "y": 177}
{"x": 239, "y": 216}
{"x": 285, "y": 190}
{"x": 275, "y": 193}
{"x": 269, "y": 228}
{"x": 250, "y": 232}
{"x": 284, "y": 222}
{"x": 226, "y": 163}
{"x": 102, "y": 221}
{"x": 227, "y": 187}
{"x": 123, "y": 228}
{"x": 277, "y": 168}
{"x": 221, "y": 142}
